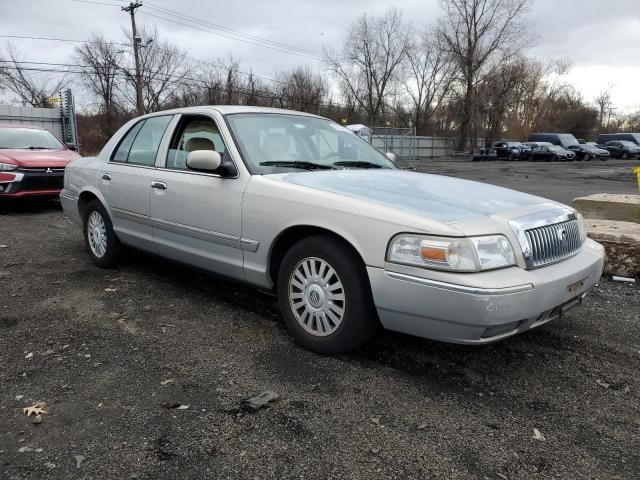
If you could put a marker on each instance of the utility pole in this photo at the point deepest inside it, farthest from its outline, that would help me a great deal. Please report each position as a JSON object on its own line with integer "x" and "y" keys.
{"x": 131, "y": 9}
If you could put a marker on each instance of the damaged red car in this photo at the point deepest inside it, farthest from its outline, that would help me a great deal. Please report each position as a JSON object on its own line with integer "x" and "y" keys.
{"x": 32, "y": 162}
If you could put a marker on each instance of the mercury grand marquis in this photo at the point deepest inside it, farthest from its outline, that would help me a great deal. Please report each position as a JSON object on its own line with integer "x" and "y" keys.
{"x": 296, "y": 204}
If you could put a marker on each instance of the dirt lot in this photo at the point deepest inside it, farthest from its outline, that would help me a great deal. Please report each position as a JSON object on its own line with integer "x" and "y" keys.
{"x": 109, "y": 351}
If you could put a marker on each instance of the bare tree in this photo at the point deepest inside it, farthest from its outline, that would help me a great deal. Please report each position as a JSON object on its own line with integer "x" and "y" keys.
{"x": 301, "y": 89}
{"x": 164, "y": 71}
{"x": 100, "y": 61}
{"x": 475, "y": 32}
{"x": 370, "y": 60}
{"x": 29, "y": 85}
{"x": 605, "y": 107}
{"x": 427, "y": 78}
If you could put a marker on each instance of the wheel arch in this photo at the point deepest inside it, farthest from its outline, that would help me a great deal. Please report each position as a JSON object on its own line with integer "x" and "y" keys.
{"x": 85, "y": 197}
{"x": 293, "y": 234}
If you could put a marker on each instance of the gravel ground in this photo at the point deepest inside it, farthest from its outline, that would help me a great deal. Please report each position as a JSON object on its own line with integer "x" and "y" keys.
{"x": 113, "y": 352}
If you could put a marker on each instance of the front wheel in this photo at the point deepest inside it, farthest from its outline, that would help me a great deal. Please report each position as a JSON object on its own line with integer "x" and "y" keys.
{"x": 624, "y": 156}
{"x": 325, "y": 297}
{"x": 102, "y": 243}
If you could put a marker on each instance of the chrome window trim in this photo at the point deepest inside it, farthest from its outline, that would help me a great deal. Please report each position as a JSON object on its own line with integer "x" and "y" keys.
{"x": 160, "y": 145}
{"x": 520, "y": 225}
{"x": 459, "y": 288}
{"x": 161, "y": 161}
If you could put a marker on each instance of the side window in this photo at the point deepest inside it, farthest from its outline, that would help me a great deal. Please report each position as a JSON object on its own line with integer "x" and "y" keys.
{"x": 145, "y": 146}
{"x": 125, "y": 145}
{"x": 193, "y": 133}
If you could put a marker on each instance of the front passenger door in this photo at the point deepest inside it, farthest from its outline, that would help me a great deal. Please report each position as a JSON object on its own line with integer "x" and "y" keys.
{"x": 196, "y": 216}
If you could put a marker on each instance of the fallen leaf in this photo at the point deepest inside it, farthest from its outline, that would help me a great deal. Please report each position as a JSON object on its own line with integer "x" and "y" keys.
{"x": 183, "y": 407}
{"x": 79, "y": 459}
{"x": 537, "y": 435}
{"x": 29, "y": 355}
{"x": 602, "y": 383}
{"x": 167, "y": 381}
{"x": 3, "y": 246}
{"x": 110, "y": 289}
{"x": 36, "y": 409}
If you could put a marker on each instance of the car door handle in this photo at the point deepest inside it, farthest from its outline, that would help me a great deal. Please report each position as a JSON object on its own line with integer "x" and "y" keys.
{"x": 106, "y": 176}
{"x": 158, "y": 185}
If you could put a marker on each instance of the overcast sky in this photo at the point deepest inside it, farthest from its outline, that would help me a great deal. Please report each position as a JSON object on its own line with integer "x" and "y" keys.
{"x": 602, "y": 37}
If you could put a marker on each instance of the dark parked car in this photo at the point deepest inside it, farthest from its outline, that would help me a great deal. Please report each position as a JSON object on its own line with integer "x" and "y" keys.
{"x": 623, "y": 149}
{"x": 565, "y": 140}
{"x": 545, "y": 152}
{"x": 483, "y": 154}
{"x": 587, "y": 152}
{"x": 610, "y": 137}
{"x": 511, "y": 150}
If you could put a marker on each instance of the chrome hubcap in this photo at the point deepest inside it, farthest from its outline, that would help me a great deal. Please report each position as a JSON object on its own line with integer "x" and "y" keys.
{"x": 97, "y": 234}
{"x": 316, "y": 296}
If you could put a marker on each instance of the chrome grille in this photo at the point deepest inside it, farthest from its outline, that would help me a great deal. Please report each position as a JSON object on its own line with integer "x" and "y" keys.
{"x": 553, "y": 243}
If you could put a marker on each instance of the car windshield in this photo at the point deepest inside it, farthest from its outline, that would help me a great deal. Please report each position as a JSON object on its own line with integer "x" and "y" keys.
{"x": 515, "y": 144}
{"x": 555, "y": 148}
{"x": 271, "y": 143}
{"x": 627, "y": 143}
{"x": 28, "y": 138}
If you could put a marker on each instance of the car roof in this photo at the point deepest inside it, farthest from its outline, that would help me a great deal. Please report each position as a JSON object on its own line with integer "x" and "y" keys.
{"x": 230, "y": 109}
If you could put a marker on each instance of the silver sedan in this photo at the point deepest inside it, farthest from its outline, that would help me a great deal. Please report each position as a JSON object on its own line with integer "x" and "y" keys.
{"x": 297, "y": 204}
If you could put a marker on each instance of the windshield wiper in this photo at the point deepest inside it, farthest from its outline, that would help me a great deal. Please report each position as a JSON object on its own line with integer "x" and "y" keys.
{"x": 356, "y": 163}
{"x": 293, "y": 164}
{"x": 38, "y": 148}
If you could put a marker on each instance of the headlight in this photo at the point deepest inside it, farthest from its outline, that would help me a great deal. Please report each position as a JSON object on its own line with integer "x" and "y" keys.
{"x": 5, "y": 167}
{"x": 470, "y": 254}
{"x": 582, "y": 228}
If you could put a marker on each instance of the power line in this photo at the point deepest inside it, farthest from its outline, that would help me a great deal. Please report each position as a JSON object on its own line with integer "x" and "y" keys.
{"x": 167, "y": 11}
{"x": 181, "y": 55}
{"x": 185, "y": 81}
{"x": 223, "y": 31}
{"x": 277, "y": 49}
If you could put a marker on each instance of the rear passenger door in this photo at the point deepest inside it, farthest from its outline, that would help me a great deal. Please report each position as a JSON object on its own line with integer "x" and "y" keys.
{"x": 126, "y": 178}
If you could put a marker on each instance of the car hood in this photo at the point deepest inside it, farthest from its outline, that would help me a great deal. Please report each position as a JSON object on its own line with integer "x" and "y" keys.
{"x": 38, "y": 158}
{"x": 444, "y": 199}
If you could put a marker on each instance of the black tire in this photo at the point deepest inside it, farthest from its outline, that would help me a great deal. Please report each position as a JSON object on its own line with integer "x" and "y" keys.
{"x": 113, "y": 247}
{"x": 511, "y": 157}
{"x": 359, "y": 321}
{"x": 587, "y": 158}
{"x": 624, "y": 156}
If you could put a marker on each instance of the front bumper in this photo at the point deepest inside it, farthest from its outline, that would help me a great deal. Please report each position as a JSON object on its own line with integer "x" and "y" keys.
{"x": 469, "y": 310}
{"x": 30, "y": 183}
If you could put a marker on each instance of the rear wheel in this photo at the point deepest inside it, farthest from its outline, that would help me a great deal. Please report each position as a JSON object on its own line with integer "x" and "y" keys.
{"x": 102, "y": 243}
{"x": 324, "y": 296}
{"x": 587, "y": 157}
{"x": 624, "y": 156}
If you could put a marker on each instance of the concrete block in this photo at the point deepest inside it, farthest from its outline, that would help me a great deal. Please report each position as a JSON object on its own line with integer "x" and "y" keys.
{"x": 621, "y": 241}
{"x": 607, "y": 206}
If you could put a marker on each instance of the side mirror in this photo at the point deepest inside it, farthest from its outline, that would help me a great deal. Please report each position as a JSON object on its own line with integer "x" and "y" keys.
{"x": 204, "y": 160}
{"x": 72, "y": 146}
{"x": 391, "y": 156}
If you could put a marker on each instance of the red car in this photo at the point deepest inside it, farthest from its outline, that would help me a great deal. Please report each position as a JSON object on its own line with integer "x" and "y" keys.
{"x": 32, "y": 162}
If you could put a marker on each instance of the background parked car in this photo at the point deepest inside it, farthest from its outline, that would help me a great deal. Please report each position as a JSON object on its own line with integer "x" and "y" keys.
{"x": 623, "y": 149}
{"x": 32, "y": 162}
{"x": 547, "y": 152}
{"x": 587, "y": 152}
{"x": 511, "y": 150}
{"x": 484, "y": 154}
{"x": 609, "y": 137}
{"x": 565, "y": 140}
